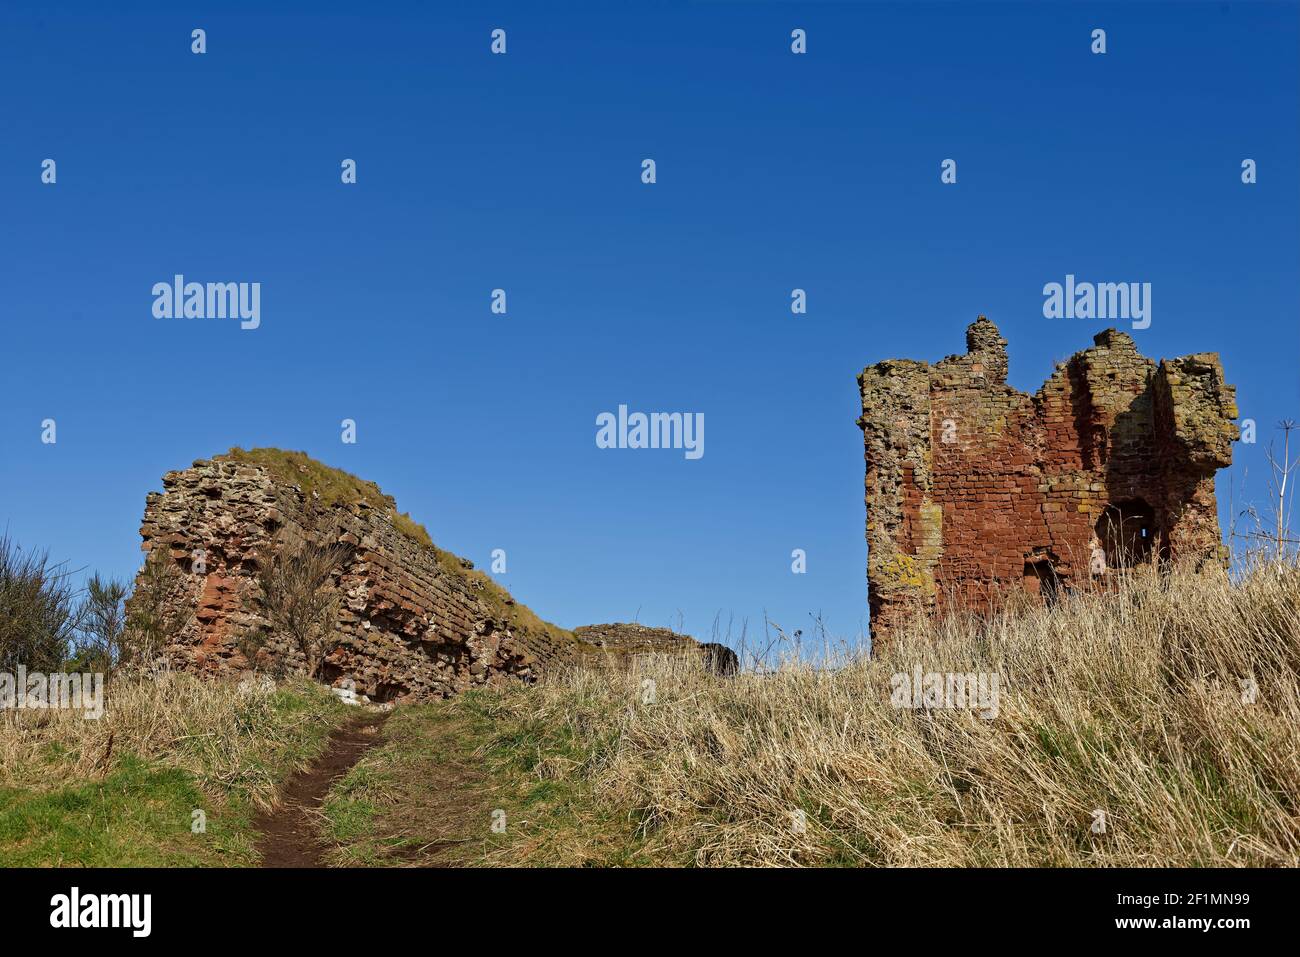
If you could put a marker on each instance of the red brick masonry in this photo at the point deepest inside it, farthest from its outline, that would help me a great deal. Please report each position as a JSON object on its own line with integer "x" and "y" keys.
{"x": 974, "y": 488}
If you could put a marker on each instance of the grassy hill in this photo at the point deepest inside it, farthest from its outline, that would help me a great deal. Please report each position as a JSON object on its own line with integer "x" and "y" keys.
{"x": 1156, "y": 725}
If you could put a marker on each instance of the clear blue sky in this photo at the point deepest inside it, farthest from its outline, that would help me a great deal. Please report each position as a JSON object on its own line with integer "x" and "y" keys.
{"x": 522, "y": 171}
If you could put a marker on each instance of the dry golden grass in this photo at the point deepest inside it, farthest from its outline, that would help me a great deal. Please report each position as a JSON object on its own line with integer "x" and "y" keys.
{"x": 234, "y": 739}
{"x": 1131, "y": 704}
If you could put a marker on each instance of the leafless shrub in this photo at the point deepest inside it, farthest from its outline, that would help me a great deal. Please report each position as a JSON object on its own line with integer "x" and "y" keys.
{"x": 299, "y": 598}
{"x": 154, "y": 617}
{"x": 1271, "y": 529}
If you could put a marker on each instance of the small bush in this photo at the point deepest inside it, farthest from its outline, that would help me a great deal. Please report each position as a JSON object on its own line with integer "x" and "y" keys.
{"x": 38, "y": 610}
{"x": 101, "y": 626}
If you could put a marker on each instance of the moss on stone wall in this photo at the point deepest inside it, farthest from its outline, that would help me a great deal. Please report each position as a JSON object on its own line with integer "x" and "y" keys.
{"x": 333, "y": 486}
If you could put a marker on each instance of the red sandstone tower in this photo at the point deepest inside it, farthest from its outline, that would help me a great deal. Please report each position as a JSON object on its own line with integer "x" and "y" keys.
{"x": 974, "y": 488}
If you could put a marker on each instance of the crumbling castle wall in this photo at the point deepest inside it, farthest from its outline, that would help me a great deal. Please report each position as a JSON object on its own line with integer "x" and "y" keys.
{"x": 623, "y": 642}
{"x": 974, "y": 489}
{"x": 412, "y": 620}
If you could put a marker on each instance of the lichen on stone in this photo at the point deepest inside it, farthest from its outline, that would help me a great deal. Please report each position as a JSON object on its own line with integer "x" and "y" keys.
{"x": 971, "y": 484}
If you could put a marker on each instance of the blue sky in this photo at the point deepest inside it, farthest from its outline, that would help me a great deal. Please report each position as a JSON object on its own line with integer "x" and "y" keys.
{"x": 522, "y": 172}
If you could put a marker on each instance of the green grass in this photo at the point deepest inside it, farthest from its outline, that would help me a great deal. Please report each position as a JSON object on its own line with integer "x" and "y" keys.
{"x": 428, "y": 795}
{"x": 140, "y": 815}
{"x": 415, "y": 798}
{"x": 59, "y": 810}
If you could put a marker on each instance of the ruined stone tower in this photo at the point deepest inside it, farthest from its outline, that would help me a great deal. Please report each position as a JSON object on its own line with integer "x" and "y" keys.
{"x": 974, "y": 488}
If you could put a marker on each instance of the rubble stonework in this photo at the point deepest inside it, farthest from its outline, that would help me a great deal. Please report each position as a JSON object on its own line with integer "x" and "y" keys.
{"x": 412, "y": 621}
{"x": 630, "y": 638}
{"x": 974, "y": 489}
{"x": 625, "y": 640}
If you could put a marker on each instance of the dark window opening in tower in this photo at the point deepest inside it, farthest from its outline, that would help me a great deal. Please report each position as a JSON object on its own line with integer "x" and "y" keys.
{"x": 1040, "y": 579}
{"x": 1127, "y": 532}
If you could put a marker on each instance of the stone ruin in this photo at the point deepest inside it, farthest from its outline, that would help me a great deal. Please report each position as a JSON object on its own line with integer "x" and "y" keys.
{"x": 975, "y": 490}
{"x": 410, "y": 620}
{"x": 625, "y": 640}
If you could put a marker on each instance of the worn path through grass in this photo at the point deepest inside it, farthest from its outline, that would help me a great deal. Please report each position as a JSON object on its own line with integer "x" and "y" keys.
{"x": 289, "y": 832}
{"x": 457, "y": 784}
